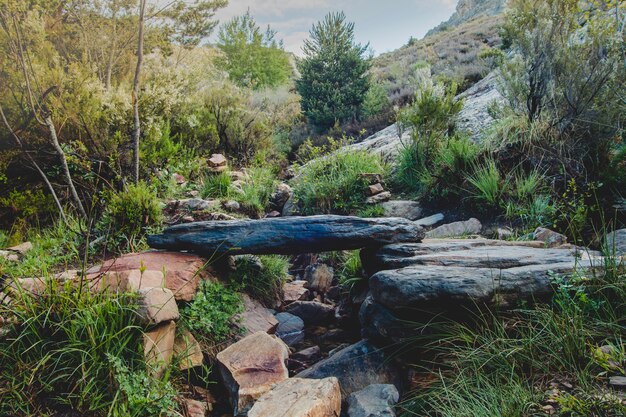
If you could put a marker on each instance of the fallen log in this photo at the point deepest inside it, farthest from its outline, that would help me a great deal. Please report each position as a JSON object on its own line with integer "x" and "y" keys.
{"x": 286, "y": 236}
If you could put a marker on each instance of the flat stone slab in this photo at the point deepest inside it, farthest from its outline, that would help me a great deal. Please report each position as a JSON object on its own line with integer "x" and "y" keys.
{"x": 287, "y": 236}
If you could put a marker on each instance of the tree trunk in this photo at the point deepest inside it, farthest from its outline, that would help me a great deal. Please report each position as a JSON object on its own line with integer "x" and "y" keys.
{"x": 109, "y": 68}
{"x": 137, "y": 127}
{"x": 64, "y": 166}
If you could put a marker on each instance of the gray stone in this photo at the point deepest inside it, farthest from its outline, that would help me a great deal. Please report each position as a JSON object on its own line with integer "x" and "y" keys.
{"x": 156, "y": 305}
{"x": 356, "y": 367}
{"x": 457, "y": 229}
{"x": 376, "y": 400}
{"x": 402, "y": 208}
{"x": 289, "y": 235}
{"x": 616, "y": 242}
{"x": 551, "y": 238}
{"x": 312, "y": 312}
{"x": 232, "y": 205}
{"x": 467, "y": 10}
{"x": 378, "y": 198}
{"x": 618, "y": 382}
{"x": 430, "y": 220}
{"x": 290, "y": 328}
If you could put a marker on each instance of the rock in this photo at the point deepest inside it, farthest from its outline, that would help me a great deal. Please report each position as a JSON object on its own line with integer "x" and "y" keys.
{"x": 616, "y": 242}
{"x": 504, "y": 233}
{"x": 190, "y": 204}
{"x": 375, "y": 189}
{"x": 379, "y": 198}
{"x": 308, "y": 355}
{"x": 290, "y": 235}
{"x": 290, "y": 208}
{"x": 34, "y": 286}
{"x": 618, "y": 382}
{"x": 272, "y": 214}
{"x": 238, "y": 176}
{"x": 280, "y": 196}
{"x": 159, "y": 347}
{"x": 183, "y": 271}
{"x": 194, "y": 408}
{"x": 386, "y": 143}
{"x": 250, "y": 368}
{"x": 21, "y": 249}
{"x": 467, "y": 10}
{"x": 257, "y": 318}
{"x": 179, "y": 179}
{"x": 187, "y": 351}
{"x": 551, "y": 238}
{"x": 312, "y": 312}
{"x": 457, "y": 229}
{"x": 290, "y": 328}
{"x": 298, "y": 397}
{"x": 376, "y": 400}
{"x": 402, "y": 208}
{"x": 295, "y": 291}
{"x": 156, "y": 305}
{"x": 319, "y": 277}
{"x": 356, "y": 367}
{"x": 9, "y": 256}
{"x": 430, "y": 220}
{"x": 132, "y": 280}
{"x": 217, "y": 160}
{"x": 232, "y": 205}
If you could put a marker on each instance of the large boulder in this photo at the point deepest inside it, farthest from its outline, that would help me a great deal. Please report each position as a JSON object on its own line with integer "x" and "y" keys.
{"x": 377, "y": 400}
{"x": 286, "y": 235}
{"x": 356, "y": 367}
{"x": 312, "y": 312}
{"x": 158, "y": 347}
{"x": 456, "y": 229}
{"x": 256, "y": 318}
{"x": 406, "y": 209}
{"x": 183, "y": 271}
{"x": 298, "y": 397}
{"x": 156, "y": 305}
{"x": 250, "y": 368}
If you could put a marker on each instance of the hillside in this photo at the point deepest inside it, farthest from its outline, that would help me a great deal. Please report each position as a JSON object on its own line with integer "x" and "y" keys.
{"x": 451, "y": 53}
{"x": 467, "y": 10}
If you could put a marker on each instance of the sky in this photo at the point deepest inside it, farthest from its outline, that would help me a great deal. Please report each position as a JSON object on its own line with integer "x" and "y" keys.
{"x": 385, "y": 24}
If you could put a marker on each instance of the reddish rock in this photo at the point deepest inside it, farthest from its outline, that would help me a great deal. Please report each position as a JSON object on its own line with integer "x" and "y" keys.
{"x": 257, "y": 318}
{"x": 194, "y": 408}
{"x": 159, "y": 347}
{"x": 295, "y": 291}
{"x": 183, "y": 271}
{"x": 251, "y": 367}
{"x": 375, "y": 189}
{"x": 187, "y": 351}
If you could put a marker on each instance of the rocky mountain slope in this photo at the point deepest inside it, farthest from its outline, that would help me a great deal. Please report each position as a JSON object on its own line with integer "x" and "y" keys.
{"x": 467, "y": 10}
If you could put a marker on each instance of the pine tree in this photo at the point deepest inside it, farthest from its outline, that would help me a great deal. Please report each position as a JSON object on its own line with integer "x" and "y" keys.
{"x": 333, "y": 81}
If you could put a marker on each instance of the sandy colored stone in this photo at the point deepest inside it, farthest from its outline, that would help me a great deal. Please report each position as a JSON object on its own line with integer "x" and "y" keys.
{"x": 159, "y": 347}
{"x": 375, "y": 189}
{"x": 295, "y": 291}
{"x": 257, "y": 318}
{"x": 251, "y": 367}
{"x": 22, "y": 248}
{"x": 188, "y": 351}
{"x": 297, "y": 397}
{"x": 217, "y": 160}
{"x": 183, "y": 271}
{"x": 156, "y": 305}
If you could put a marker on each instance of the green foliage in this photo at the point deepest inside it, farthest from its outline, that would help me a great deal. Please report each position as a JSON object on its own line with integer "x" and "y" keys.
{"x": 30, "y": 206}
{"x": 575, "y": 207}
{"x": 256, "y": 190}
{"x": 335, "y": 183}
{"x": 211, "y": 316}
{"x": 350, "y": 270}
{"x": 130, "y": 212}
{"x": 158, "y": 147}
{"x": 498, "y": 364}
{"x": 59, "y": 354}
{"x": 261, "y": 277}
{"x": 371, "y": 211}
{"x": 252, "y": 58}
{"x": 488, "y": 184}
{"x": 333, "y": 82}
{"x": 217, "y": 185}
{"x": 376, "y": 101}
{"x": 143, "y": 395}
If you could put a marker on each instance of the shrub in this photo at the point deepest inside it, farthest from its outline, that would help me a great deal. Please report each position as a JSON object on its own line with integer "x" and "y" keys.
{"x": 211, "y": 316}
{"x": 256, "y": 190}
{"x": 335, "y": 183}
{"x": 59, "y": 356}
{"x": 132, "y": 211}
{"x": 261, "y": 277}
{"x": 217, "y": 185}
{"x": 376, "y": 101}
{"x": 488, "y": 184}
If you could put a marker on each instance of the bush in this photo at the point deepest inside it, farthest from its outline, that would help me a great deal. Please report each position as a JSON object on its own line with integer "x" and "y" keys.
{"x": 335, "y": 183}
{"x": 132, "y": 211}
{"x": 211, "y": 316}
{"x": 68, "y": 349}
{"x": 256, "y": 190}
{"x": 217, "y": 185}
{"x": 261, "y": 277}
{"x": 488, "y": 184}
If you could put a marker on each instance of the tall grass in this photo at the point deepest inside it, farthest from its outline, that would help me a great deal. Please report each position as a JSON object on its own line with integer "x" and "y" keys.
{"x": 261, "y": 277}
{"x": 335, "y": 183}
{"x": 487, "y": 184}
{"x": 64, "y": 350}
{"x": 217, "y": 185}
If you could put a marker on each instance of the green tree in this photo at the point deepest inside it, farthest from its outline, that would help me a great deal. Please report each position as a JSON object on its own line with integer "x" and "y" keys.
{"x": 333, "y": 81}
{"x": 252, "y": 58}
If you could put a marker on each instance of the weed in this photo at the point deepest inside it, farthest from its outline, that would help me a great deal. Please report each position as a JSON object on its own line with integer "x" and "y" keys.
{"x": 217, "y": 185}
{"x": 488, "y": 185}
